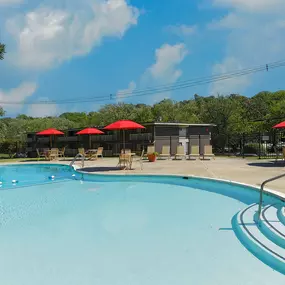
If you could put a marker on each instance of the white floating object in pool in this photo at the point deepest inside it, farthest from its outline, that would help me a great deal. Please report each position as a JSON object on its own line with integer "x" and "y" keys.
{"x": 73, "y": 175}
{"x": 52, "y": 177}
{"x": 14, "y": 181}
{"x": 1, "y": 182}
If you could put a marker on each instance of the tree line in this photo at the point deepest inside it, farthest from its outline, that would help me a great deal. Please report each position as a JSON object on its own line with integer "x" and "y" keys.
{"x": 232, "y": 114}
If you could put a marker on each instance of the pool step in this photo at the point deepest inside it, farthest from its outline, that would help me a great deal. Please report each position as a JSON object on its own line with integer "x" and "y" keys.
{"x": 271, "y": 226}
{"x": 253, "y": 238}
{"x": 281, "y": 215}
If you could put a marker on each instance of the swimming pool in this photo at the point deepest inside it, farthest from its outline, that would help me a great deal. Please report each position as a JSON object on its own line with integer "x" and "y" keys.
{"x": 96, "y": 229}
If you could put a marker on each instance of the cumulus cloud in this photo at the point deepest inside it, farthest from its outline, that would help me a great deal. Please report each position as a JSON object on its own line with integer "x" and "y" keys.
{"x": 167, "y": 58}
{"x": 43, "y": 110}
{"x": 46, "y": 36}
{"x": 230, "y": 21}
{"x": 9, "y": 2}
{"x": 182, "y": 30}
{"x": 233, "y": 85}
{"x": 254, "y": 38}
{"x": 18, "y": 94}
{"x": 164, "y": 70}
{"x": 121, "y": 94}
{"x": 251, "y": 5}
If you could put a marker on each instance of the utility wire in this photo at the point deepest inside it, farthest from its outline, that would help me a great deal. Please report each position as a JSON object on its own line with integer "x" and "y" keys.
{"x": 158, "y": 89}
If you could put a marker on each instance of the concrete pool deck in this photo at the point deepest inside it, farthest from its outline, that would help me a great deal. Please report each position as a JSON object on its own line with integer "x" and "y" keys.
{"x": 247, "y": 171}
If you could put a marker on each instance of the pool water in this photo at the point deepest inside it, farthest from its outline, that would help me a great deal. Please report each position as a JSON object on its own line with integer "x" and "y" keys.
{"x": 74, "y": 232}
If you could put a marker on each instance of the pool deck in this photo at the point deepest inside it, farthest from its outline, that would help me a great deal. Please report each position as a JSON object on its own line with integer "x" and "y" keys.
{"x": 247, "y": 171}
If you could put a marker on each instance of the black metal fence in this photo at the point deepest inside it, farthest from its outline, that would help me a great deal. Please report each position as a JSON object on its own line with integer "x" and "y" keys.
{"x": 261, "y": 145}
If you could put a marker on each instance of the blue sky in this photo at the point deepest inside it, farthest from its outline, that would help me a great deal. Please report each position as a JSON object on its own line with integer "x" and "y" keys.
{"x": 60, "y": 50}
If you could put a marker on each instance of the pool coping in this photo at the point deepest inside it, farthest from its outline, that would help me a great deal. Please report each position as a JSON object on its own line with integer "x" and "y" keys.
{"x": 269, "y": 191}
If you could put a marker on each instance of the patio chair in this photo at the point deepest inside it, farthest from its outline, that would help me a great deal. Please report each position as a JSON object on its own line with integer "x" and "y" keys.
{"x": 139, "y": 159}
{"x": 82, "y": 151}
{"x": 208, "y": 152}
{"x": 61, "y": 153}
{"x": 53, "y": 154}
{"x": 97, "y": 154}
{"x": 40, "y": 155}
{"x": 194, "y": 151}
{"x": 127, "y": 150}
{"x": 165, "y": 152}
{"x": 150, "y": 149}
{"x": 180, "y": 152}
{"x": 126, "y": 160}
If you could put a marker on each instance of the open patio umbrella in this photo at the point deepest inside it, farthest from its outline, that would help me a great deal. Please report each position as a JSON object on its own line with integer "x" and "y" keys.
{"x": 124, "y": 125}
{"x": 279, "y": 126}
{"x": 50, "y": 132}
{"x": 90, "y": 131}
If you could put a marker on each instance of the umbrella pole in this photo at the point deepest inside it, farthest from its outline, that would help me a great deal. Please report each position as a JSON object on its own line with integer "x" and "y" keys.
{"x": 50, "y": 141}
{"x": 89, "y": 141}
{"x": 124, "y": 147}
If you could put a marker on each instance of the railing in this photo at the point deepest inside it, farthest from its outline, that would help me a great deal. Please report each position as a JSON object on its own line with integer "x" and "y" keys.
{"x": 262, "y": 189}
{"x": 74, "y": 159}
{"x": 145, "y": 136}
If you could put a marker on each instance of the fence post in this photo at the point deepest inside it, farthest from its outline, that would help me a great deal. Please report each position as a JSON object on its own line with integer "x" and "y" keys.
{"x": 259, "y": 146}
{"x": 243, "y": 144}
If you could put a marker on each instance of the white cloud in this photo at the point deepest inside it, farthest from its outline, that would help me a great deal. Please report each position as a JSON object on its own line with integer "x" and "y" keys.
{"x": 43, "y": 110}
{"x": 229, "y": 86}
{"x": 126, "y": 92}
{"x": 258, "y": 40}
{"x": 18, "y": 94}
{"x": 251, "y": 5}
{"x": 47, "y": 36}
{"x": 230, "y": 21}
{"x": 182, "y": 30}
{"x": 9, "y": 2}
{"x": 168, "y": 57}
{"x": 165, "y": 70}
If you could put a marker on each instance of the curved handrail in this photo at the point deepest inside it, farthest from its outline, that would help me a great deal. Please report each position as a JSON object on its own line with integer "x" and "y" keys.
{"x": 76, "y": 156}
{"x": 262, "y": 189}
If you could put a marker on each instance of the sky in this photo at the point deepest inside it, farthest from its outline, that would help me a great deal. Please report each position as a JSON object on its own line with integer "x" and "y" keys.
{"x": 103, "y": 50}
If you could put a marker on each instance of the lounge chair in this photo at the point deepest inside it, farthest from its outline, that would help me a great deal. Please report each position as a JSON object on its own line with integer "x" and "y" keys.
{"x": 180, "y": 152}
{"x": 208, "y": 152}
{"x": 97, "y": 154}
{"x": 194, "y": 151}
{"x": 165, "y": 152}
{"x": 139, "y": 159}
{"x": 150, "y": 150}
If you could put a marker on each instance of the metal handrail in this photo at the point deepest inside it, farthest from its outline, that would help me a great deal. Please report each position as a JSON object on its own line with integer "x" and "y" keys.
{"x": 76, "y": 156}
{"x": 262, "y": 189}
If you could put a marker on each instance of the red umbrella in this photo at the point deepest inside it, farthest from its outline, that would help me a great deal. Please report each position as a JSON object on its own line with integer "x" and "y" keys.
{"x": 124, "y": 125}
{"x": 280, "y": 125}
{"x": 50, "y": 132}
{"x": 90, "y": 131}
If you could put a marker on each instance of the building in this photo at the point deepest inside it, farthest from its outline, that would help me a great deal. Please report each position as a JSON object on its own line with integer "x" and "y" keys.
{"x": 156, "y": 133}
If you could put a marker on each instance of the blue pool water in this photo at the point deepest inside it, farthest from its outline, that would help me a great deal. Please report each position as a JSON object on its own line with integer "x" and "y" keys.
{"x": 122, "y": 230}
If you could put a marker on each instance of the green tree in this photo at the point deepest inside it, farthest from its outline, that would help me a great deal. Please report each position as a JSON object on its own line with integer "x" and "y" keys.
{"x": 2, "y": 51}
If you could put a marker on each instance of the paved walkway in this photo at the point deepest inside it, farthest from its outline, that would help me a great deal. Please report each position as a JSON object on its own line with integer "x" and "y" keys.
{"x": 247, "y": 171}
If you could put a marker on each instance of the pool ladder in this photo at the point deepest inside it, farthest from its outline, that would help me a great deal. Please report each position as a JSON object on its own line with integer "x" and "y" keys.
{"x": 75, "y": 158}
{"x": 262, "y": 190}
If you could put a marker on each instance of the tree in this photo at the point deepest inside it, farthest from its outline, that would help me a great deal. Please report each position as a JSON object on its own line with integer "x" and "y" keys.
{"x": 2, "y": 51}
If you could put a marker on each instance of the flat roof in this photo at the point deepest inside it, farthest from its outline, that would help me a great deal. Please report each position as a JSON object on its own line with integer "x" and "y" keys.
{"x": 178, "y": 124}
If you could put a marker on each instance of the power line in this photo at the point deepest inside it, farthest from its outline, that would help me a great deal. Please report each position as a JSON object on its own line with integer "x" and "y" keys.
{"x": 158, "y": 89}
